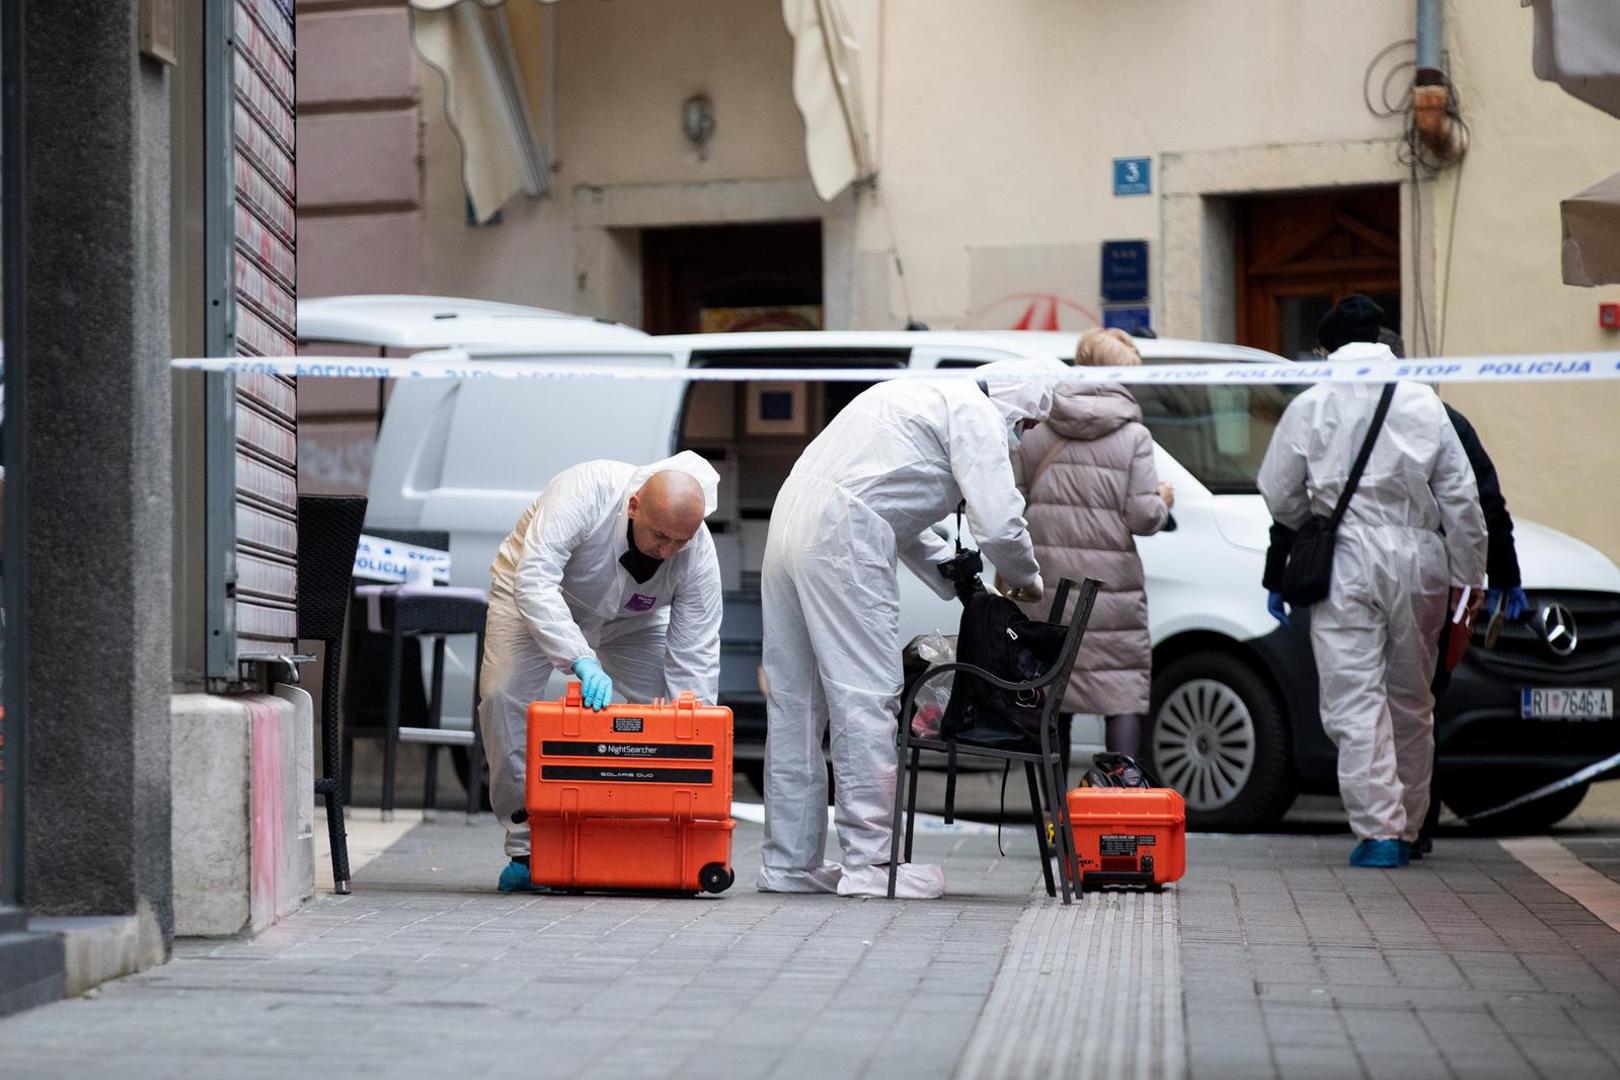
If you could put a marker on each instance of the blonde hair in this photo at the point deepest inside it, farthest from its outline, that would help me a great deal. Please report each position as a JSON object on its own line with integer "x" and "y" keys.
{"x": 1106, "y": 348}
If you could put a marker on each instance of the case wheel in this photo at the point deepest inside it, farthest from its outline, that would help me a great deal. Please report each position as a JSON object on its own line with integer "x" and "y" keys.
{"x": 715, "y": 877}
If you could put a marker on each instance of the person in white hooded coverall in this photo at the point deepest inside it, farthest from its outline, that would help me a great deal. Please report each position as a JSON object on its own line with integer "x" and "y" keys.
{"x": 1412, "y": 531}
{"x": 569, "y": 594}
{"x": 898, "y": 459}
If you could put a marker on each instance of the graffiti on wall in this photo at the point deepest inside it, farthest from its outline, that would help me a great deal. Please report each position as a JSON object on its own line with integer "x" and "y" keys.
{"x": 1035, "y": 311}
{"x": 1034, "y": 287}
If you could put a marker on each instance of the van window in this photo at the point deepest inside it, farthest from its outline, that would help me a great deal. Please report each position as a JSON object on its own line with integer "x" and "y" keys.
{"x": 516, "y": 434}
{"x": 753, "y": 432}
{"x": 1217, "y": 433}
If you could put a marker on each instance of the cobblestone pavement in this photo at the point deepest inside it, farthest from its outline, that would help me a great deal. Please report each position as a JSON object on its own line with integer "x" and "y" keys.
{"x": 1271, "y": 959}
{"x": 1601, "y": 854}
{"x": 426, "y": 971}
{"x": 1465, "y": 965}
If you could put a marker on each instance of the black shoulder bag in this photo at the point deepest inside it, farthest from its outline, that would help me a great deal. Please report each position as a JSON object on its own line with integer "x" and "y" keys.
{"x": 1309, "y": 573}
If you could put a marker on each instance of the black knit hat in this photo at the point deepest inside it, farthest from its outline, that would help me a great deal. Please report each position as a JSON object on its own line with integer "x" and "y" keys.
{"x": 1355, "y": 318}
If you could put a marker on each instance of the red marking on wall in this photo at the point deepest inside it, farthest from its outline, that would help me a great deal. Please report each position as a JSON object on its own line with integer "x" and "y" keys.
{"x": 268, "y": 805}
{"x": 1036, "y": 311}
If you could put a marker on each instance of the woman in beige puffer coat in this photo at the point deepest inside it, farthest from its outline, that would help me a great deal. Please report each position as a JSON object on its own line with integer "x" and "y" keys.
{"x": 1090, "y": 486}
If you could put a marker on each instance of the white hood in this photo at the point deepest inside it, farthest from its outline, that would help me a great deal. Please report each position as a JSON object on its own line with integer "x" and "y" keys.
{"x": 1549, "y": 559}
{"x": 1021, "y": 398}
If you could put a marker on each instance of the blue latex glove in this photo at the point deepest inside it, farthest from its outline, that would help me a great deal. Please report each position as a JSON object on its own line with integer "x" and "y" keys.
{"x": 1516, "y": 608}
{"x": 597, "y": 688}
{"x": 1278, "y": 609}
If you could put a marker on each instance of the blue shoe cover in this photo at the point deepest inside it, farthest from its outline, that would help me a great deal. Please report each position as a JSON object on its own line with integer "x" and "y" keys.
{"x": 1384, "y": 854}
{"x": 515, "y": 878}
{"x": 1406, "y": 851}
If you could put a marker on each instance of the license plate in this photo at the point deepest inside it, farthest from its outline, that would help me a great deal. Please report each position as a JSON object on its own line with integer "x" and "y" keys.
{"x": 1559, "y": 703}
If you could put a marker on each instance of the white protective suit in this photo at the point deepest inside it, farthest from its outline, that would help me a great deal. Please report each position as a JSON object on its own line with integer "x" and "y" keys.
{"x": 895, "y": 461}
{"x": 1376, "y": 636}
{"x": 558, "y": 592}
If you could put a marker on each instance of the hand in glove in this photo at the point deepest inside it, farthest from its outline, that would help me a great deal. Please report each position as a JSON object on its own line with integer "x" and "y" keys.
{"x": 597, "y": 688}
{"x": 1278, "y": 609}
{"x": 1024, "y": 594}
{"x": 1516, "y": 607}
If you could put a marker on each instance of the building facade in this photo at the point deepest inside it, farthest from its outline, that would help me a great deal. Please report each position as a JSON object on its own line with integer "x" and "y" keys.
{"x": 1262, "y": 149}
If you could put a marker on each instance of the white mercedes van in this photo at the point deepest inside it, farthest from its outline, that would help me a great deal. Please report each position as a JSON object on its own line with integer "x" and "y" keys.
{"x": 1234, "y": 718}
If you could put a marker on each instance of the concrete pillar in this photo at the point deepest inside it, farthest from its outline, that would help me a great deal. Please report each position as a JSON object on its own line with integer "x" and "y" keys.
{"x": 98, "y": 454}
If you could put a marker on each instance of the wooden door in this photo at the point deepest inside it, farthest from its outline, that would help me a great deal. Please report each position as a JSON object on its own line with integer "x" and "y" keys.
{"x": 1298, "y": 255}
{"x": 732, "y": 277}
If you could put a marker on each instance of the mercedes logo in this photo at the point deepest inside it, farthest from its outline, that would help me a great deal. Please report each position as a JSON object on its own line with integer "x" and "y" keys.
{"x": 1558, "y": 629}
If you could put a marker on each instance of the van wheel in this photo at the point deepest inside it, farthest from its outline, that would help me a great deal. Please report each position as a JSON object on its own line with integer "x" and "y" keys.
{"x": 1218, "y": 734}
{"x": 1483, "y": 791}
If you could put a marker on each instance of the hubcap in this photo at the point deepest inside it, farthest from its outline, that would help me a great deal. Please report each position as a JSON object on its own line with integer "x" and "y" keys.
{"x": 1203, "y": 743}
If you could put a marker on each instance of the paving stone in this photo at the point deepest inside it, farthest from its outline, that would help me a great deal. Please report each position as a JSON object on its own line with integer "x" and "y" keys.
{"x": 1442, "y": 968}
{"x": 1282, "y": 961}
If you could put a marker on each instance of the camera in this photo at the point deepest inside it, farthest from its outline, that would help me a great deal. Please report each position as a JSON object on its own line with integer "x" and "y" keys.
{"x": 962, "y": 570}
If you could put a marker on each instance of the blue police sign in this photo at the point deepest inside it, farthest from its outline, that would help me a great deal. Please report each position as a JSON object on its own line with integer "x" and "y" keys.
{"x": 1124, "y": 271}
{"x": 1131, "y": 319}
{"x": 1133, "y": 176}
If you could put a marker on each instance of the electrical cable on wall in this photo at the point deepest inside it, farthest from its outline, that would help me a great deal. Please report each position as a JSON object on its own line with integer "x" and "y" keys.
{"x": 1395, "y": 77}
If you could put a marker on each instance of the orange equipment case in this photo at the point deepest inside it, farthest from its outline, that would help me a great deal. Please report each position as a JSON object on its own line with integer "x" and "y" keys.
{"x": 631, "y": 797}
{"x": 1128, "y": 836}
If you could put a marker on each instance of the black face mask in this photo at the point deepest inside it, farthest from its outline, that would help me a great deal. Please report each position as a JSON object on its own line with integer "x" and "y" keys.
{"x": 639, "y": 566}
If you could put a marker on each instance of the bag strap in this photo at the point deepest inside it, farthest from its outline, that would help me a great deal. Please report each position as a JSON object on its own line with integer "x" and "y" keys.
{"x": 1044, "y": 464}
{"x": 1361, "y": 458}
{"x": 960, "y": 506}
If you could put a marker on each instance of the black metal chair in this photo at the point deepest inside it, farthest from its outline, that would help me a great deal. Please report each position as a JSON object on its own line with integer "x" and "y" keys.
{"x": 406, "y": 615}
{"x": 385, "y": 696}
{"x": 328, "y": 535}
{"x": 1043, "y": 770}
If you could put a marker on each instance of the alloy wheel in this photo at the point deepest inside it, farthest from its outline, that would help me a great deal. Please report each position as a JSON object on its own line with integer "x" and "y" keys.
{"x": 1203, "y": 743}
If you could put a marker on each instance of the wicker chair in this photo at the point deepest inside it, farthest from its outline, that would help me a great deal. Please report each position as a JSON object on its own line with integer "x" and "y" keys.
{"x": 328, "y": 534}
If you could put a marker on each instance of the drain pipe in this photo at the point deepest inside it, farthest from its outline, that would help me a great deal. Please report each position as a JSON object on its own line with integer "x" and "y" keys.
{"x": 1431, "y": 95}
{"x": 1430, "y": 26}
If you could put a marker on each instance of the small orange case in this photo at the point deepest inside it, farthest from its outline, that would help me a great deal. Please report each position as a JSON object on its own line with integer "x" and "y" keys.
{"x": 630, "y": 797}
{"x": 1129, "y": 836}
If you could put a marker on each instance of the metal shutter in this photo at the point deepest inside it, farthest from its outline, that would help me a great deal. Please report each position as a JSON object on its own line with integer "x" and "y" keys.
{"x": 253, "y": 436}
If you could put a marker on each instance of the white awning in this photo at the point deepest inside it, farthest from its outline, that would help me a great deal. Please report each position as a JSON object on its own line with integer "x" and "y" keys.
{"x": 467, "y": 42}
{"x": 1577, "y": 46}
{"x": 1592, "y": 234}
{"x": 827, "y": 90}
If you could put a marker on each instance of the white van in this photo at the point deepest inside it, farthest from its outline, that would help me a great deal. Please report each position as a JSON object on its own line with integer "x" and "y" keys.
{"x": 1234, "y": 721}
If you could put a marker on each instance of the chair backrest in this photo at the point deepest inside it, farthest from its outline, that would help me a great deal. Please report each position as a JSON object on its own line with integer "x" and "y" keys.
{"x": 1058, "y": 675}
{"x": 328, "y": 535}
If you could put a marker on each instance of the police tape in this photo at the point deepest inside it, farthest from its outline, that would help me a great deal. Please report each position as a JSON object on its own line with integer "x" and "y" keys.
{"x": 459, "y": 364}
{"x": 380, "y": 559}
{"x": 1598, "y": 770}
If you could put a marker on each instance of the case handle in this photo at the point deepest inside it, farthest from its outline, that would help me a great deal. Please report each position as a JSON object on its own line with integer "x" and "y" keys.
{"x": 686, "y": 715}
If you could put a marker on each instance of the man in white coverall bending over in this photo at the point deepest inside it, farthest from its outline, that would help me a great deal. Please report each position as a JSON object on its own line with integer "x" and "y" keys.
{"x": 895, "y": 461}
{"x": 611, "y": 575}
{"x": 1376, "y": 636}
